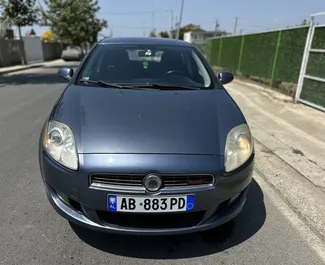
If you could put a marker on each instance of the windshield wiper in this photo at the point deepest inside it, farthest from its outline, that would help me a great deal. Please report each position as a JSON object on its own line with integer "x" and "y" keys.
{"x": 165, "y": 86}
{"x": 101, "y": 83}
{"x": 141, "y": 86}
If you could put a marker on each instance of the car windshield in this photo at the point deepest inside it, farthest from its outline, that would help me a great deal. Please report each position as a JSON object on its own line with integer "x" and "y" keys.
{"x": 147, "y": 64}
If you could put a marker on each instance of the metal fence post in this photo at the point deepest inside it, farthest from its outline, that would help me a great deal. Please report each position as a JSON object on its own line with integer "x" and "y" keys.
{"x": 275, "y": 57}
{"x": 220, "y": 50}
{"x": 241, "y": 53}
{"x": 304, "y": 62}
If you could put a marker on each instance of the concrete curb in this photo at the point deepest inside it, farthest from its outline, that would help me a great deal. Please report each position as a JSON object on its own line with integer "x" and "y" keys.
{"x": 293, "y": 187}
{"x": 267, "y": 91}
{"x": 26, "y": 67}
{"x": 19, "y": 69}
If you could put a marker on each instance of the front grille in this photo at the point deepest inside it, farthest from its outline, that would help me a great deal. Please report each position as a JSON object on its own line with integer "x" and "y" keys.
{"x": 156, "y": 220}
{"x": 136, "y": 180}
{"x": 118, "y": 180}
{"x": 172, "y": 181}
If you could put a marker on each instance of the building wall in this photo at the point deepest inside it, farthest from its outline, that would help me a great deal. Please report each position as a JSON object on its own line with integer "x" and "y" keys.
{"x": 52, "y": 51}
{"x": 196, "y": 37}
{"x": 11, "y": 52}
{"x": 33, "y": 49}
{"x": 188, "y": 36}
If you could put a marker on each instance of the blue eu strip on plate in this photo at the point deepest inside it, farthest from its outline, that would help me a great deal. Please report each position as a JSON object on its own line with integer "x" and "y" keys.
{"x": 112, "y": 203}
{"x": 190, "y": 202}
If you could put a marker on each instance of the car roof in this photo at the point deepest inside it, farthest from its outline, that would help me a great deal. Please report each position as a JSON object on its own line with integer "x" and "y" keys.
{"x": 145, "y": 40}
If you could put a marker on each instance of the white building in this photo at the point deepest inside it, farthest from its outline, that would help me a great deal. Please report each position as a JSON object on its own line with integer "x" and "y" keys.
{"x": 199, "y": 37}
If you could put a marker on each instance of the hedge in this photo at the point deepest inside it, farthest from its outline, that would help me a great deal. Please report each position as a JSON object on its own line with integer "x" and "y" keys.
{"x": 274, "y": 57}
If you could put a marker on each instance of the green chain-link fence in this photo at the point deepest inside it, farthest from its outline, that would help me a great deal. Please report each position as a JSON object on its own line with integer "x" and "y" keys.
{"x": 271, "y": 57}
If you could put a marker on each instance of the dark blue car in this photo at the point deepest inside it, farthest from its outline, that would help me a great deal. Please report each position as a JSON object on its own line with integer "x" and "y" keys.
{"x": 146, "y": 140}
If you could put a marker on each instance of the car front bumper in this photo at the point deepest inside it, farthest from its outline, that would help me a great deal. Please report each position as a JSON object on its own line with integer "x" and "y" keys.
{"x": 87, "y": 206}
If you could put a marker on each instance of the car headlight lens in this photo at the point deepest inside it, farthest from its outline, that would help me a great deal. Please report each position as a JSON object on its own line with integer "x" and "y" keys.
{"x": 239, "y": 147}
{"x": 60, "y": 144}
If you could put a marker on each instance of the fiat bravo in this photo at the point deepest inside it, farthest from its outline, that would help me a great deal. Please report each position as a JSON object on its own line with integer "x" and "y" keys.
{"x": 145, "y": 140}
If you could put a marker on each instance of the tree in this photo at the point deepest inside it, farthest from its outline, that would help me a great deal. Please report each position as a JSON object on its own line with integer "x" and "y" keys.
{"x": 30, "y": 33}
{"x": 74, "y": 21}
{"x": 181, "y": 34}
{"x": 19, "y": 12}
{"x": 304, "y": 22}
{"x": 48, "y": 36}
{"x": 164, "y": 34}
{"x": 152, "y": 34}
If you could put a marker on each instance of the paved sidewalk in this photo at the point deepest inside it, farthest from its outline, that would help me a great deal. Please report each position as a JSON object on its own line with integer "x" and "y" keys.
{"x": 290, "y": 148}
{"x": 16, "y": 68}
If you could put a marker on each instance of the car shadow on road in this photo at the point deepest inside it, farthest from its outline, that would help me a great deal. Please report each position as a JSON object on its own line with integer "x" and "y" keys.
{"x": 41, "y": 75}
{"x": 243, "y": 227}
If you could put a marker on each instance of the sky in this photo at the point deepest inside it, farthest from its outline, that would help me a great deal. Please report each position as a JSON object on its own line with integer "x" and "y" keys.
{"x": 135, "y": 17}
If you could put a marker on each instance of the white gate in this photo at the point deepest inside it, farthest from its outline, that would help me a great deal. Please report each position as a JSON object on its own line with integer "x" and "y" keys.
{"x": 311, "y": 87}
{"x": 33, "y": 49}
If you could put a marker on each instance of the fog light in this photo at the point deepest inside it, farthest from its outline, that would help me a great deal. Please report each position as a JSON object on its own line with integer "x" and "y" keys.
{"x": 234, "y": 198}
{"x": 63, "y": 198}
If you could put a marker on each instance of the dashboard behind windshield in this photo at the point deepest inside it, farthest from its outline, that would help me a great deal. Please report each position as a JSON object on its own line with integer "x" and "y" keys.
{"x": 147, "y": 64}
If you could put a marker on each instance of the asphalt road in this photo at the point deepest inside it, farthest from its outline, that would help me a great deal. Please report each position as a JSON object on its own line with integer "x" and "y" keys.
{"x": 266, "y": 232}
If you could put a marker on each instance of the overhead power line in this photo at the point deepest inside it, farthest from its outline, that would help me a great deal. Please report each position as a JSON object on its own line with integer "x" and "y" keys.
{"x": 134, "y": 27}
{"x": 136, "y": 13}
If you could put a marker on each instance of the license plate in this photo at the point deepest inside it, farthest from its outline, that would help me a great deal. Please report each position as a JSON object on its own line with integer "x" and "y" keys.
{"x": 142, "y": 204}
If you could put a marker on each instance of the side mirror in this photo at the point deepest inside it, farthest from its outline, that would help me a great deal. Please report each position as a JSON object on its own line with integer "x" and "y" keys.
{"x": 225, "y": 77}
{"x": 66, "y": 73}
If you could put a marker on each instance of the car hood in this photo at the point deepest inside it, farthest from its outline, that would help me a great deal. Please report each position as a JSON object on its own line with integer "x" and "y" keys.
{"x": 106, "y": 120}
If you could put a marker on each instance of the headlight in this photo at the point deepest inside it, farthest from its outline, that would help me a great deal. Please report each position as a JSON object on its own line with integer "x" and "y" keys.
{"x": 60, "y": 144}
{"x": 239, "y": 147}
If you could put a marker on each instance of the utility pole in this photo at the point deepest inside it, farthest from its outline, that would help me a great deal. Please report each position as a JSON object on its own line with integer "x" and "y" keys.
{"x": 176, "y": 27}
{"x": 180, "y": 20}
{"x": 144, "y": 29}
{"x": 216, "y": 27}
{"x": 172, "y": 23}
{"x": 153, "y": 17}
{"x": 235, "y": 28}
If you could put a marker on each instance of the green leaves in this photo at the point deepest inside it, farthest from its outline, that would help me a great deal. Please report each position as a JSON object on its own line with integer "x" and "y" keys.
{"x": 152, "y": 34}
{"x": 164, "y": 34}
{"x": 74, "y": 21}
{"x": 19, "y": 12}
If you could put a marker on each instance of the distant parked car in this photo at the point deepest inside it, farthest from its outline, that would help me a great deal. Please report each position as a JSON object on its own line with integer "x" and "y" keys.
{"x": 72, "y": 53}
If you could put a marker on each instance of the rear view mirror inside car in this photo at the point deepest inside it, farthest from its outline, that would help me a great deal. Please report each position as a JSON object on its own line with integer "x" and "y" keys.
{"x": 146, "y": 53}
